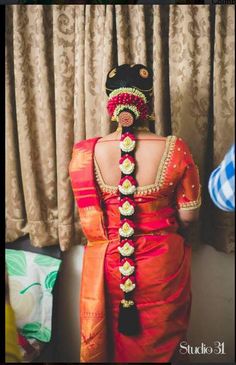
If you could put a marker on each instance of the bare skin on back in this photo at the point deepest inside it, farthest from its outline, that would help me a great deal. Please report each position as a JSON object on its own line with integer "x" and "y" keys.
{"x": 148, "y": 154}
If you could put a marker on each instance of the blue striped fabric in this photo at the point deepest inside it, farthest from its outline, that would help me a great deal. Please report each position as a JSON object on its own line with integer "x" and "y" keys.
{"x": 222, "y": 182}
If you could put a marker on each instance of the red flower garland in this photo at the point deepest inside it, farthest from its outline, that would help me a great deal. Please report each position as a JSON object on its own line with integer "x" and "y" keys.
{"x": 128, "y": 315}
{"x": 128, "y": 99}
{"x": 126, "y": 156}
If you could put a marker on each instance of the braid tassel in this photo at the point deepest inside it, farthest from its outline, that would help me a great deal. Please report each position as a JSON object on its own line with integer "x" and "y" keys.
{"x": 128, "y": 319}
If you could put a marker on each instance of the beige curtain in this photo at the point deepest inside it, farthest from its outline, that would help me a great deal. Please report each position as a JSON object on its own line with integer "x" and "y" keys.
{"x": 57, "y": 58}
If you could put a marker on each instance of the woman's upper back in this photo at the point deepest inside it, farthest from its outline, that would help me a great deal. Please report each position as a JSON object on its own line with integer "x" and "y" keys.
{"x": 164, "y": 167}
{"x": 148, "y": 155}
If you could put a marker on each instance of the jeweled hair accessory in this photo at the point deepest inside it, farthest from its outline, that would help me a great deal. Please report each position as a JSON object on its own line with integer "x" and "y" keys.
{"x": 129, "y": 89}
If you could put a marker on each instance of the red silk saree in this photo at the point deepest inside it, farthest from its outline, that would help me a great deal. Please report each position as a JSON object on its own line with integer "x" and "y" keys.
{"x": 163, "y": 292}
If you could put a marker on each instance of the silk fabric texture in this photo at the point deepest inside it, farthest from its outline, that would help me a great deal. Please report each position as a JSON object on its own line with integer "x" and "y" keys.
{"x": 163, "y": 259}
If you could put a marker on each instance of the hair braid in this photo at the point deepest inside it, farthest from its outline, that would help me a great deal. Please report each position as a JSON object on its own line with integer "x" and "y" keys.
{"x": 128, "y": 321}
{"x": 129, "y": 88}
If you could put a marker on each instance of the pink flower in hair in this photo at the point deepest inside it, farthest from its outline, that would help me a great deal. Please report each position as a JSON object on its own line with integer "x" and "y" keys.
{"x": 126, "y": 206}
{"x": 127, "y": 164}
{"x": 127, "y": 284}
{"x": 127, "y": 142}
{"x": 127, "y": 185}
{"x": 126, "y": 228}
{"x": 126, "y": 247}
{"x": 127, "y": 267}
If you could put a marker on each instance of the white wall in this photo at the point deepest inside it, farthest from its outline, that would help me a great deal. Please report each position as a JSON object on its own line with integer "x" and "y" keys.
{"x": 212, "y": 308}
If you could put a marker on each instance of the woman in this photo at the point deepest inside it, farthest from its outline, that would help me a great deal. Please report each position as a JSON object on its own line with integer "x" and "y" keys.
{"x": 134, "y": 191}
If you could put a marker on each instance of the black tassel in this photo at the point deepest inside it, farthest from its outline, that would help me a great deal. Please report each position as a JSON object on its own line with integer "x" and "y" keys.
{"x": 128, "y": 320}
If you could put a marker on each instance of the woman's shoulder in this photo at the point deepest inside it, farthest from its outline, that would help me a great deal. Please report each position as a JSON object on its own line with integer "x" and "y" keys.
{"x": 174, "y": 140}
{"x": 180, "y": 150}
{"x": 179, "y": 142}
{"x": 86, "y": 142}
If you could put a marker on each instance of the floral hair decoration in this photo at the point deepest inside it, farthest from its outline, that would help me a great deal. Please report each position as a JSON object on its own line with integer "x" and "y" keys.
{"x": 127, "y": 99}
{"x": 126, "y": 104}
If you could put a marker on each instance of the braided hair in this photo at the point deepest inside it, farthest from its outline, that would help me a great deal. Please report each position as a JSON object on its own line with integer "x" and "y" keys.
{"x": 129, "y": 89}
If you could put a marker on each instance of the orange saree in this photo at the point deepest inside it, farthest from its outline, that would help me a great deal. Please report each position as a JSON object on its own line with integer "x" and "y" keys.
{"x": 163, "y": 293}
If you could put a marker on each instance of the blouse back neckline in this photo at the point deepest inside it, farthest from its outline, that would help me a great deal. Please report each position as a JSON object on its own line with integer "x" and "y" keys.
{"x": 160, "y": 175}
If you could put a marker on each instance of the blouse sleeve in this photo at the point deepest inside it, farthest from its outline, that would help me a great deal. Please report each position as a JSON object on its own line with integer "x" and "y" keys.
{"x": 188, "y": 194}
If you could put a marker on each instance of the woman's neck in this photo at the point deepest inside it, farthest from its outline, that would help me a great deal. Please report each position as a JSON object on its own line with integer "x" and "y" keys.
{"x": 144, "y": 127}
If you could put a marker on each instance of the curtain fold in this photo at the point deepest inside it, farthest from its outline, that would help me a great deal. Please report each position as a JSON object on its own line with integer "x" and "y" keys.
{"x": 15, "y": 205}
{"x": 222, "y": 226}
{"x": 57, "y": 58}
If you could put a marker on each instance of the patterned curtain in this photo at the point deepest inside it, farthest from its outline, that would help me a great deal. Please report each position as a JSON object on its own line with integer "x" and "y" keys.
{"x": 57, "y": 58}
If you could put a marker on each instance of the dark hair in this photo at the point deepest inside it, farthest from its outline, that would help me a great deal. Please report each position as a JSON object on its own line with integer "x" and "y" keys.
{"x": 136, "y": 76}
